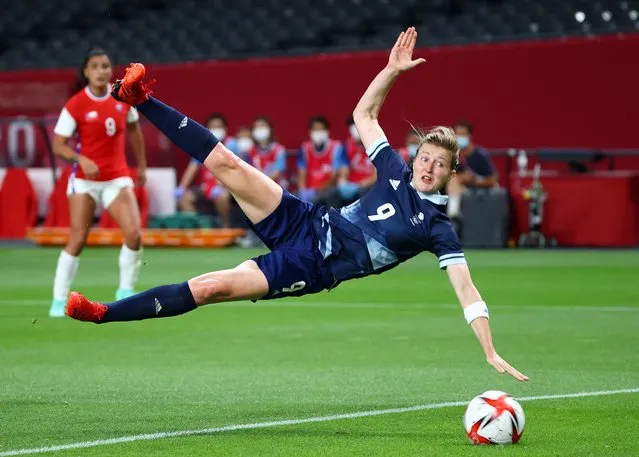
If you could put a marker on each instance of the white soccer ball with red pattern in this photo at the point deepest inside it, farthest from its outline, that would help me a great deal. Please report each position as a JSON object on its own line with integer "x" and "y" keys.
{"x": 494, "y": 417}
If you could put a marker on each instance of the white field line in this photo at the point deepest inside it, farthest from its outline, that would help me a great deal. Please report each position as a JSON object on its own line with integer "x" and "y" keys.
{"x": 230, "y": 428}
{"x": 302, "y": 304}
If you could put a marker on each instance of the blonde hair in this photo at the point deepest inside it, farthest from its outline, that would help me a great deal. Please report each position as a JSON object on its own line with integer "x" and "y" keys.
{"x": 443, "y": 137}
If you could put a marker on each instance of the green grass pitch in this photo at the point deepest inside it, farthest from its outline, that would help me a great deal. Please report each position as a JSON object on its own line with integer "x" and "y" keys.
{"x": 568, "y": 319}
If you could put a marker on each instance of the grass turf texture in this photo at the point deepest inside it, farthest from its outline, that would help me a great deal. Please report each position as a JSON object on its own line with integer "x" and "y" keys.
{"x": 568, "y": 319}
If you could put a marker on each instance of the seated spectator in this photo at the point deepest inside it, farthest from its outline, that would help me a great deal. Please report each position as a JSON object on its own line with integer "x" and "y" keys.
{"x": 409, "y": 150}
{"x": 244, "y": 137}
{"x": 475, "y": 169}
{"x": 319, "y": 159}
{"x": 218, "y": 126}
{"x": 266, "y": 154}
{"x": 208, "y": 195}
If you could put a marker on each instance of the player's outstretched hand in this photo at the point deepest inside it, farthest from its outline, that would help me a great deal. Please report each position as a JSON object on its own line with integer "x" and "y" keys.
{"x": 401, "y": 56}
{"x": 503, "y": 367}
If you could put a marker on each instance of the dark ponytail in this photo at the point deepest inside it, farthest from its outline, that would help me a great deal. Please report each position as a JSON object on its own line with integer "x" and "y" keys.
{"x": 82, "y": 81}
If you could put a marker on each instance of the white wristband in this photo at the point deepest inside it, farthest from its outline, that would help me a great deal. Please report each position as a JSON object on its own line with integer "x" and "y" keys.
{"x": 477, "y": 309}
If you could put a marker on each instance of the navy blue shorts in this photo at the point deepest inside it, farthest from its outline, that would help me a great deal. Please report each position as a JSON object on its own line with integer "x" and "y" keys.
{"x": 294, "y": 267}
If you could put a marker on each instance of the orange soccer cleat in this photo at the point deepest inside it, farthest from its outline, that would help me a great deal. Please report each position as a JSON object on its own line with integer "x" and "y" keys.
{"x": 81, "y": 308}
{"x": 131, "y": 89}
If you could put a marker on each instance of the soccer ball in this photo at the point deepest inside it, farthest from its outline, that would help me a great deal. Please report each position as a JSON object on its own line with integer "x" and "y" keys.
{"x": 494, "y": 417}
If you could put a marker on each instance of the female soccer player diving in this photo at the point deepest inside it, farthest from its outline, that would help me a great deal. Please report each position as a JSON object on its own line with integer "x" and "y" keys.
{"x": 313, "y": 247}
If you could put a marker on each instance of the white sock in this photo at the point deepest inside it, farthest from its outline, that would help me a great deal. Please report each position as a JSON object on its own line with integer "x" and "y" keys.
{"x": 454, "y": 203}
{"x": 64, "y": 275}
{"x": 130, "y": 262}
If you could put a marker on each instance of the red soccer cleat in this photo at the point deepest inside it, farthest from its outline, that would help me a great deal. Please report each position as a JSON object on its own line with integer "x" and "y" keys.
{"x": 131, "y": 89}
{"x": 82, "y": 309}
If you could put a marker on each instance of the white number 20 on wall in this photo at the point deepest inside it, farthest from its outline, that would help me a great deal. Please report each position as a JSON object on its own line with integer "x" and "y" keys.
{"x": 110, "y": 126}
{"x": 383, "y": 212}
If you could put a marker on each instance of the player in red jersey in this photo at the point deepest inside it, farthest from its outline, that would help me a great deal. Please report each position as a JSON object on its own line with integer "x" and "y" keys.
{"x": 101, "y": 175}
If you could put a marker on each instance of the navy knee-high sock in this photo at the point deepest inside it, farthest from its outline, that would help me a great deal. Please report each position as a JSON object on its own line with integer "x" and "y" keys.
{"x": 193, "y": 138}
{"x": 163, "y": 301}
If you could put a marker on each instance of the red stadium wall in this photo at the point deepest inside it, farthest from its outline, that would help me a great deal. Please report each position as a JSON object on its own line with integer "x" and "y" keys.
{"x": 553, "y": 93}
{"x": 562, "y": 93}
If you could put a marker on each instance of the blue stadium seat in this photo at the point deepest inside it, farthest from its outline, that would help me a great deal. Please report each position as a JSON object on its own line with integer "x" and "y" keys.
{"x": 43, "y": 33}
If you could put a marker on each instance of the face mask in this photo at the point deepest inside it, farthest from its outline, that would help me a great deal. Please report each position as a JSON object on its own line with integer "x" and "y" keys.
{"x": 319, "y": 136}
{"x": 261, "y": 133}
{"x": 463, "y": 141}
{"x": 218, "y": 133}
{"x": 354, "y": 132}
{"x": 412, "y": 150}
{"x": 244, "y": 144}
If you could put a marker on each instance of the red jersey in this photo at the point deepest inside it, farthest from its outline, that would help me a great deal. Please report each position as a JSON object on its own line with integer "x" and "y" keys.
{"x": 266, "y": 160}
{"x": 208, "y": 182}
{"x": 270, "y": 161}
{"x": 101, "y": 124}
{"x": 207, "y": 177}
{"x": 319, "y": 165}
{"x": 359, "y": 165}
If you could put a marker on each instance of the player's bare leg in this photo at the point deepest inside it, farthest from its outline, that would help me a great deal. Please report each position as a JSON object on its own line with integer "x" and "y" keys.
{"x": 81, "y": 209}
{"x": 256, "y": 193}
{"x": 124, "y": 210}
{"x": 244, "y": 282}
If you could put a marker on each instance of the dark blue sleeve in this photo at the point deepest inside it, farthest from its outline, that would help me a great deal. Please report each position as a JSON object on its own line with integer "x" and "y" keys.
{"x": 445, "y": 243}
{"x": 301, "y": 160}
{"x": 280, "y": 161}
{"x": 387, "y": 161}
{"x": 481, "y": 164}
{"x": 339, "y": 157}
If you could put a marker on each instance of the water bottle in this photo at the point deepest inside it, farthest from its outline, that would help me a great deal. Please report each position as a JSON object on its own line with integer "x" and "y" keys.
{"x": 522, "y": 162}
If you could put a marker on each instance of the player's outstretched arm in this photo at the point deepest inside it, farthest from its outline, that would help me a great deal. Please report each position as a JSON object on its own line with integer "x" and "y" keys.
{"x": 367, "y": 110}
{"x": 476, "y": 314}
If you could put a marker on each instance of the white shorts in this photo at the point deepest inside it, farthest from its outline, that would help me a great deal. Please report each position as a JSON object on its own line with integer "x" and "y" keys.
{"x": 103, "y": 192}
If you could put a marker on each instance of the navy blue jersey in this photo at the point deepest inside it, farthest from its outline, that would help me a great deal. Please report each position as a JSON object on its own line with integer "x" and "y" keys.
{"x": 390, "y": 224}
{"x": 478, "y": 162}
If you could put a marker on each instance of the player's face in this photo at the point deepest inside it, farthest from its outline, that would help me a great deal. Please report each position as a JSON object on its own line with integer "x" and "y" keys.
{"x": 431, "y": 168}
{"x": 98, "y": 71}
